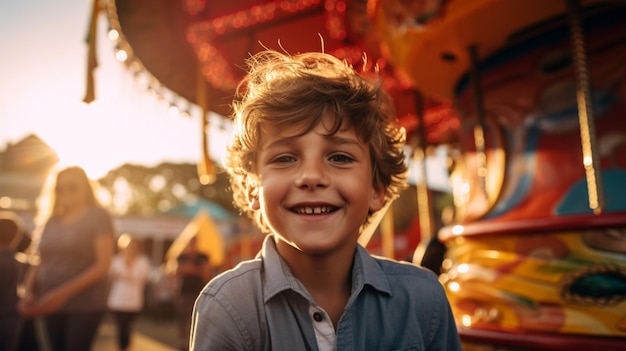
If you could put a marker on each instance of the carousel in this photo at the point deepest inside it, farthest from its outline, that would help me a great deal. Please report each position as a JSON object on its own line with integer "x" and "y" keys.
{"x": 528, "y": 98}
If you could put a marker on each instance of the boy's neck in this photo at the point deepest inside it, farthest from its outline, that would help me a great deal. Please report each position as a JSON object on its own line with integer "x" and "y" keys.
{"x": 318, "y": 271}
{"x": 327, "y": 278}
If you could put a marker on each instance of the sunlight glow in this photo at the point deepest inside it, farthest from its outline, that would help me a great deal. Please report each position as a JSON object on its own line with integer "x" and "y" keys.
{"x": 87, "y": 144}
{"x": 122, "y": 194}
{"x": 157, "y": 183}
{"x": 124, "y": 125}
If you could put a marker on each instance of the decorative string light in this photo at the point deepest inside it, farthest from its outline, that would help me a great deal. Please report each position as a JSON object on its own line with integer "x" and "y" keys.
{"x": 336, "y": 19}
{"x": 194, "y": 7}
{"x": 121, "y": 55}
{"x": 144, "y": 79}
{"x": 113, "y": 34}
{"x": 173, "y": 110}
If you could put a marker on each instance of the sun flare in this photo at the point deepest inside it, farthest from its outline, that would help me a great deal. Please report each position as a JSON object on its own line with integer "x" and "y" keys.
{"x": 90, "y": 143}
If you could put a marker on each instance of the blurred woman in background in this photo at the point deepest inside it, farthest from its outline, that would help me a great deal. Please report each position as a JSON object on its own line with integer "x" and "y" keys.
{"x": 74, "y": 241}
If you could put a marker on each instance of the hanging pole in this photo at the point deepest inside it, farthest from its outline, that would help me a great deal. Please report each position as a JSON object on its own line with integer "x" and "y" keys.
{"x": 423, "y": 195}
{"x": 586, "y": 118}
{"x": 92, "y": 59}
{"x": 387, "y": 234}
{"x": 206, "y": 169}
{"x": 479, "y": 129}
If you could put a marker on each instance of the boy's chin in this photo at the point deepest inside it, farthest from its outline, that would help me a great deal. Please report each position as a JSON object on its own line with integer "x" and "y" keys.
{"x": 315, "y": 246}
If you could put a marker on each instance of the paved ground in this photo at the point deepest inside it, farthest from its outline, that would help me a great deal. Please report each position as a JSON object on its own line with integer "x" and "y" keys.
{"x": 150, "y": 334}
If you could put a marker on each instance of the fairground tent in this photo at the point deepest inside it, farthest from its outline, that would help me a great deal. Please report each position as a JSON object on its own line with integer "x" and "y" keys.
{"x": 210, "y": 240}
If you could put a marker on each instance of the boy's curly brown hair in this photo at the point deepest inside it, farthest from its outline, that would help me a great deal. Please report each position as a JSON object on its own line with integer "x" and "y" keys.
{"x": 285, "y": 90}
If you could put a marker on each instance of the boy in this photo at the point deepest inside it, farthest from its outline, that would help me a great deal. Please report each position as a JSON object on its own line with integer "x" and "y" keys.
{"x": 10, "y": 234}
{"x": 315, "y": 153}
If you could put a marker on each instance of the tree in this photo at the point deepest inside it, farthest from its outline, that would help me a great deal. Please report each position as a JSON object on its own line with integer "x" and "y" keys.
{"x": 140, "y": 190}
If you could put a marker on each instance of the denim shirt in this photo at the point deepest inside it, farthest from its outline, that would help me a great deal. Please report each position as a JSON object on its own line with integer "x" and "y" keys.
{"x": 260, "y": 305}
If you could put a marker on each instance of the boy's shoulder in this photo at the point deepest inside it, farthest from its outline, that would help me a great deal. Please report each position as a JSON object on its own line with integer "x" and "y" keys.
{"x": 408, "y": 284}
{"x": 245, "y": 275}
{"x": 405, "y": 272}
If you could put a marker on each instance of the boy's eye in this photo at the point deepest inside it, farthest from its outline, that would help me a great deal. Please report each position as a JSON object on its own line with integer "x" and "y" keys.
{"x": 283, "y": 159}
{"x": 341, "y": 158}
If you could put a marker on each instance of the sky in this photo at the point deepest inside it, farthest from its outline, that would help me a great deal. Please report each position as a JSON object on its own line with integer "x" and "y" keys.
{"x": 42, "y": 85}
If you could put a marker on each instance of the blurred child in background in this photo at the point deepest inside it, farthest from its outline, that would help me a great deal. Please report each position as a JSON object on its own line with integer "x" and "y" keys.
{"x": 129, "y": 275}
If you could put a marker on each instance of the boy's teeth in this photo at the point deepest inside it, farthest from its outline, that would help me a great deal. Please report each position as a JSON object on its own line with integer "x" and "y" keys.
{"x": 313, "y": 210}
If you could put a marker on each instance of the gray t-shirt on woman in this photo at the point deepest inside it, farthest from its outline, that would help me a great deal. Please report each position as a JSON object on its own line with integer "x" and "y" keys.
{"x": 66, "y": 250}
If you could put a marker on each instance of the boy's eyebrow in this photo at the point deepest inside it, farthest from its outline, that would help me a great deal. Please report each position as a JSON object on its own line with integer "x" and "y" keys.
{"x": 335, "y": 139}
{"x": 341, "y": 140}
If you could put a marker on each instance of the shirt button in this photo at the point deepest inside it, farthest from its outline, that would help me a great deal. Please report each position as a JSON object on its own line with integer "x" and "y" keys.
{"x": 318, "y": 317}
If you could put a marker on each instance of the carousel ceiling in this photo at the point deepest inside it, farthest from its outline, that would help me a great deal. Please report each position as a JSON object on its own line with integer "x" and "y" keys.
{"x": 197, "y": 48}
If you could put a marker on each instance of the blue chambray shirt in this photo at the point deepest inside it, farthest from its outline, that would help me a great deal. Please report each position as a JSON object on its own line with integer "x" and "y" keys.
{"x": 260, "y": 305}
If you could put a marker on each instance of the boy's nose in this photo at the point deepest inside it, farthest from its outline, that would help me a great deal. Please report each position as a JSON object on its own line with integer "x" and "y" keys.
{"x": 312, "y": 175}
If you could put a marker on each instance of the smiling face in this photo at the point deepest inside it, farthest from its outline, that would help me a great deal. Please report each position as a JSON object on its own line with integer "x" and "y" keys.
{"x": 315, "y": 190}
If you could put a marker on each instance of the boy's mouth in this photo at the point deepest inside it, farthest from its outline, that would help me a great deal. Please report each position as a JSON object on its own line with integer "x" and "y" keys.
{"x": 314, "y": 210}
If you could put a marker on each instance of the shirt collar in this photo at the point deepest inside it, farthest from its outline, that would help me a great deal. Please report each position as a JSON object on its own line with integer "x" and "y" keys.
{"x": 278, "y": 276}
{"x": 367, "y": 271}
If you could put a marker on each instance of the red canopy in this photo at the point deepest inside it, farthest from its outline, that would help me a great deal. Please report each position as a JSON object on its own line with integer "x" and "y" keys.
{"x": 179, "y": 41}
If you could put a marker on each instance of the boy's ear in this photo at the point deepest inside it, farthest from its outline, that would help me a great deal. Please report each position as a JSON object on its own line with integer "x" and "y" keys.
{"x": 377, "y": 200}
{"x": 254, "y": 204}
{"x": 252, "y": 192}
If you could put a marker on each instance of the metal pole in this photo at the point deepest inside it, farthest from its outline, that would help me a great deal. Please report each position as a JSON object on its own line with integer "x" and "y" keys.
{"x": 423, "y": 195}
{"x": 585, "y": 111}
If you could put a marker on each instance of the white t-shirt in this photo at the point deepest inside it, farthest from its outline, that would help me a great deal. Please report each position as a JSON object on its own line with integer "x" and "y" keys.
{"x": 128, "y": 282}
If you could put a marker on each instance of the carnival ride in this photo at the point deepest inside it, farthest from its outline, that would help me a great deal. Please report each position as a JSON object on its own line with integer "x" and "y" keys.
{"x": 529, "y": 98}
{"x": 536, "y": 259}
